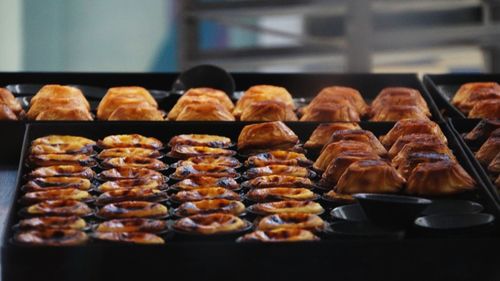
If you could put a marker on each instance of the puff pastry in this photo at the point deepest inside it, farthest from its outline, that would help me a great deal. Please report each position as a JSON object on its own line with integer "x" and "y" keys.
{"x": 292, "y": 220}
{"x": 321, "y": 135}
{"x": 128, "y": 151}
{"x": 136, "y": 112}
{"x": 133, "y": 225}
{"x": 489, "y": 149}
{"x": 471, "y": 93}
{"x": 187, "y": 151}
{"x": 204, "y": 193}
{"x": 74, "y": 222}
{"x": 130, "y": 140}
{"x": 279, "y": 235}
{"x": 488, "y": 109}
{"x": 54, "y": 194}
{"x": 261, "y": 93}
{"x": 59, "y": 208}
{"x": 225, "y": 161}
{"x": 372, "y": 176}
{"x": 482, "y": 131}
{"x": 62, "y": 171}
{"x": 209, "y": 206}
{"x": 331, "y": 112}
{"x": 142, "y": 184}
{"x": 56, "y": 102}
{"x": 411, "y": 138}
{"x": 201, "y": 96}
{"x": 39, "y": 184}
{"x": 204, "y": 112}
{"x": 11, "y": 104}
{"x": 439, "y": 178}
{"x": 337, "y": 166}
{"x": 65, "y": 112}
{"x": 134, "y": 162}
{"x": 202, "y": 181}
{"x": 131, "y": 194}
{"x": 44, "y": 160}
{"x": 51, "y": 237}
{"x": 133, "y": 209}
{"x": 332, "y": 150}
{"x": 6, "y": 113}
{"x": 64, "y": 148}
{"x": 287, "y": 206}
{"x": 414, "y": 147}
{"x": 210, "y": 224}
{"x": 334, "y": 93}
{"x": 295, "y": 171}
{"x": 494, "y": 165}
{"x": 267, "y": 136}
{"x": 399, "y": 96}
{"x": 361, "y": 136}
{"x": 55, "y": 140}
{"x": 129, "y": 237}
{"x": 407, "y": 165}
{"x": 278, "y": 181}
{"x": 269, "y": 110}
{"x": 125, "y": 173}
{"x": 408, "y": 126}
{"x": 207, "y": 170}
{"x": 278, "y": 157}
{"x": 280, "y": 193}
{"x": 399, "y": 112}
{"x": 119, "y": 98}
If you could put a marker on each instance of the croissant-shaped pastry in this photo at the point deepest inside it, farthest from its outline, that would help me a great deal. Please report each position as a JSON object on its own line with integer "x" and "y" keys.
{"x": 407, "y": 165}
{"x": 130, "y": 140}
{"x": 414, "y": 147}
{"x": 482, "y": 131}
{"x": 361, "y": 136}
{"x": 334, "y": 92}
{"x": 63, "y": 139}
{"x": 371, "y": 176}
{"x": 415, "y": 138}
{"x": 399, "y": 96}
{"x": 439, "y": 178}
{"x": 332, "y": 150}
{"x": 471, "y": 93}
{"x": 138, "y": 112}
{"x": 295, "y": 171}
{"x": 488, "y": 109}
{"x": 280, "y": 157}
{"x": 338, "y": 165}
{"x": 408, "y": 126}
{"x": 488, "y": 150}
{"x": 399, "y": 112}
{"x": 278, "y": 181}
{"x": 267, "y": 136}
{"x": 269, "y": 110}
{"x": 8, "y": 99}
{"x": 200, "y": 140}
{"x": 494, "y": 165}
{"x": 119, "y": 96}
{"x": 263, "y": 93}
{"x": 205, "y": 112}
{"x": 331, "y": 112}
{"x": 321, "y": 135}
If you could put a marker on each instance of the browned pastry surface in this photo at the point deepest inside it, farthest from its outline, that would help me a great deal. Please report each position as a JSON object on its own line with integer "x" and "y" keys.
{"x": 280, "y": 193}
{"x": 268, "y": 135}
{"x": 225, "y": 161}
{"x": 409, "y": 163}
{"x": 494, "y": 165}
{"x": 411, "y": 138}
{"x": 471, "y": 93}
{"x": 131, "y": 194}
{"x": 128, "y": 151}
{"x": 292, "y": 220}
{"x": 295, "y": 171}
{"x": 39, "y": 184}
{"x": 334, "y": 93}
{"x": 488, "y": 109}
{"x": 186, "y": 151}
{"x": 142, "y": 184}
{"x": 62, "y": 171}
{"x": 72, "y": 222}
{"x": 120, "y": 97}
{"x": 287, "y": 206}
{"x": 130, "y": 140}
{"x": 399, "y": 96}
{"x": 261, "y": 93}
{"x": 132, "y": 225}
{"x": 200, "y": 140}
{"x": 361, "y": 136}
{"x": 136, "y": 112}
{"x": 399, "y": 112}
{"x": 331, "y": 112}
{"x": 209, "y": 206}
{"x": 205, "y": 112}
{"x": 10, "y": 101}
{"x": 197, "y": 96}
{"x": 133, "y": 209}
{"x": 66, "y": 112}
{"x": 51, "y": 237}
{"x": 278, "y": 181}
{"x": 337, "y": 166}
{"x": 44, "y": 160}
{"x": 205, "y": 193}
{"x": 321, "y": 135}
{"x": 125, "y": 173}
{"x": 201, "y": 181}
{"x": 482, "y": 131}
{"x": 63, "y": 139}
{"x": 59, "y": 208}
{"x": 280, "y": 235}
{"x": 56, "y": 102}
{"x": 134, "y": 162}
{"x": 206, "y": 170}
{"x": 129, "y": 237}
{"x": 489, "y": 149}
{"x": 269, "y": 110}
{"x": 414, "y": 147}
{"x": 209, "y": 224}
{"x": 332, "y": 150}
{"x": 63, "y": 148}
{"x": 53, "y": 194}
{"x": 279, "y": 157}
{"x": 406, "y": 127}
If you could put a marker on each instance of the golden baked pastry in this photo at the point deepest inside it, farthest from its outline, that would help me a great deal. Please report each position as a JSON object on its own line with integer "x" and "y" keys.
{"x": 295, "y": 171}
{"x": 136, "y": 112}
{"x": 339, "y": 198}
{"x": 209, "y": 224}
{"x": 399, "y": 112}
{"x": 54, "y": 194}
{"x": 371, "y": 176}
{"x": 205, "y": 112}
{"x": 64, "y": 148}
{"x": 278, "y": 157}
{"x": 200, "y": 140}
{"x": 142, "y": 184}
{"x": 399, "y": 96}
{"x": 278, "y": 181}
{"x": 130, "y": 140}
{"x": 209, "y": 206}
{"x": 489, "y": 149}
{"x": 11, "y": 104}
{"x": 280, "y": 193}
{"x": 132, "y": 225}
{"x": 44, "y": 160}
{"x": 414, "y": 147}
{"x": 129, "y": 173}
{"x": 439, "y": 178}
{"x": 134, "y": 162}
{"x": 62, "y": 171}
{"x": 321, "y": 135}
{"x": 74, "y": 222}
{"x": 331, "y": 112}
{"x": 122, "y": 97}
{"x": 206, "y": 170}
{"x": 201, "y": 181}
{"x": 338, "y": 166}
{"x": 332, "y": 150}
{"x": 261, "y": 93}
{"x": 6, "y": 113}
{"x": 471, "y": 93}
{"x": 488, "y": 109}
{"x": 411, "y": 138}
{"x": 287, "y": 206}
{"x": 200, "y": 96}
{"x": 205, "y": 193}
{"x": 292, "y": 220}
{"x": 128, "y": 151}
{"x": 334, "y": 93}
{"x": 129, "y": 237}
{"x": 361, "y": 136}
{"x": 40, "y": 184}
{"x": 269, "y": 110}
{"x": 131, "y": 194}
{"x": 406, "y": 166}
{"x": 51, "y": 237}
{"x": 267, "y": 136}
{"x": 279, "y": 235}
{"x": 186, "y": 151}
{"x": 482, "y": 131}
{"x": 407, "y": 126}
{"x": 59, "y": 207}
{"x": 133, "y": 209}
{"x": 56, "y": 102}
{"x": 225, "y": 161}
{"x": 494, "y": 165}
{"x": 55, "y": 140}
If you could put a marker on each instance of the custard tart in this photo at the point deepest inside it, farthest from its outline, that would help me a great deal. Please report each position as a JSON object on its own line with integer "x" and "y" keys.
{"x": 210, "y": 224}
{"x": 130, "y": 140}
{"x": 72, "y": 222}
{"x": 40, "y": 184}
{"x": 44, "y": 160}
{"x": 205, "y": 193}
{"x": 142, "y": 184}
{"x": 292, "y": 220}
{"x": 208, "y": 206}
{"x": 278, "y": 157}
{"x": 63, "y": 139}
{"x": 133, "y": 209}
{"x": 129, "y": 173}
{"x": 200, "y": 140}
{"x": 295, "y": 171}
{"x": 280, "y": 193}
{"x": 75, "y": 171}
{"x": 128, "y": 151}
{"x": 202, "y": 181}
{"x": 129, "y": 237}
{"x": 51, "y": 237}
{"x": 287, "y": 206}
{"x": 53, "y": 194}
{"x": 278, "y": 181}
{"x": 279, "y": 235}
{"x": 206, "y": 170}
{"x": 134, "y": 162}
{"x": 132, "y": 225}
{"x": 186, "y": 151}
{"x": 59, "y": 208}
{"x": 225, "y": 161}
{"x": 131, "y": 194}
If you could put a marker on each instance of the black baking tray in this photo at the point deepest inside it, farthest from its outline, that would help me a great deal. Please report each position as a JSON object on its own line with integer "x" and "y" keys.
{"x": 302, "y": 86}
{"x": 461, "y": 127}
{"x": 414, "y": 258}
{"x": 442, "y": 88}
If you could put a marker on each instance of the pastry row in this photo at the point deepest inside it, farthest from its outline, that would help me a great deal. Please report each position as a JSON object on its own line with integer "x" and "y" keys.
{"x": 478, "y": 100}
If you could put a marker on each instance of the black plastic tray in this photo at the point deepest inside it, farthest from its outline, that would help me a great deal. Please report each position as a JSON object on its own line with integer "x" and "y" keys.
{"x": 298, "y": 84}
{"x": 461, "y": 127}
{"x": 374, "y": 259}
{"x": 443, "y": 87}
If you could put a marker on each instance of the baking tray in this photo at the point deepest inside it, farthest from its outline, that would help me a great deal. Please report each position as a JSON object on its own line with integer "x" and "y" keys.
{"x": 303, "y": 87}
{"x": 350, "y": 259}
{"x": 442, "y": 88}
{"x": 461, "y": 127}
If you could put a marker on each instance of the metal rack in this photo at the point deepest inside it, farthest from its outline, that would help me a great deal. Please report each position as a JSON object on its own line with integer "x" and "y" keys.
{"x": 343, "y": 33}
